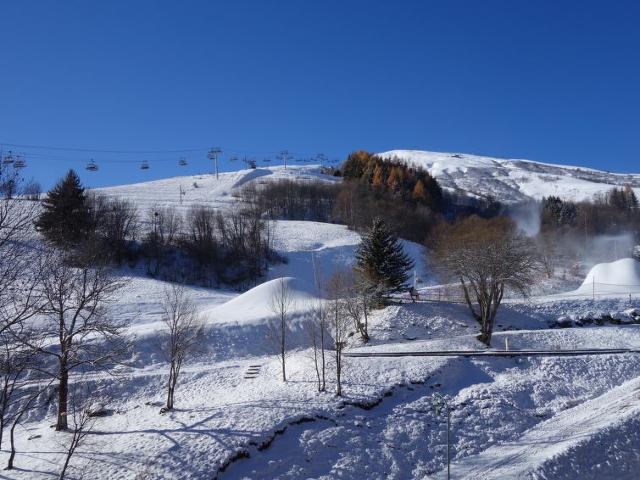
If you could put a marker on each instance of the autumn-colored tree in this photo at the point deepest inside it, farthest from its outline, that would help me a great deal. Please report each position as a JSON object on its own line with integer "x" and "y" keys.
{"x": 394, "y": 180}
{"x": 378, "y": 177}
{"x": 419, "y": 193}
{"x": 487, "y": 257}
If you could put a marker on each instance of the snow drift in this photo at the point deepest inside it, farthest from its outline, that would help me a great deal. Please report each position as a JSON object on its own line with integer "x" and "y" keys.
{"x": 254, "y": 306}
{"x": 621, "y": 276}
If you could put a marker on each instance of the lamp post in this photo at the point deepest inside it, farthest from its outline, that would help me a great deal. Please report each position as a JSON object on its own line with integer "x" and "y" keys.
{"x": 440, "y": 402}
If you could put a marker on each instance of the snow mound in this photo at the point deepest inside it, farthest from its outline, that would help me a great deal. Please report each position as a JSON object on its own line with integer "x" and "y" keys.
{"x": 621, "y": 276}
{"x": 254, "y": 306}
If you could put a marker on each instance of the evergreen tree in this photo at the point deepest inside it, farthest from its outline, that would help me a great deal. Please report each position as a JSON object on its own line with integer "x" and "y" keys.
{"x": 381, "y": 258}
{"x": 65, "y": 220}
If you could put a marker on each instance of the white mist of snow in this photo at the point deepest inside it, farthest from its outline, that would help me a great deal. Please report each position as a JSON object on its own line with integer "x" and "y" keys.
{"x": 528, "y": 217}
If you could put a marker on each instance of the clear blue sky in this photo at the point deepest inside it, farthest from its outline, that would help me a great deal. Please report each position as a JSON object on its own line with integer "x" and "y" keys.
{"x": 555, "y": 81}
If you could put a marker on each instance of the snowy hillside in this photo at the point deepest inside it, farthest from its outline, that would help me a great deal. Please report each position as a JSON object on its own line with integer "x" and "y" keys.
{"x": 512, "y": 181}
{"x": 182, "y": 192}
{"x": 542, "y": 417}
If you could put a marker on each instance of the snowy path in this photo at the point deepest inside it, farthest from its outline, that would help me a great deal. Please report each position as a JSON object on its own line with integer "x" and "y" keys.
{"x": 566, "y": 430}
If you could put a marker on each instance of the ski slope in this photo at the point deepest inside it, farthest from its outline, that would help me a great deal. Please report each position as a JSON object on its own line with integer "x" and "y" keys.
{"x": 222, "y": 192}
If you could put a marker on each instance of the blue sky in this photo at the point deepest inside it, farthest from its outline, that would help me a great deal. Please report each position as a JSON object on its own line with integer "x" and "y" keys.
{"x": 555, "y": 81}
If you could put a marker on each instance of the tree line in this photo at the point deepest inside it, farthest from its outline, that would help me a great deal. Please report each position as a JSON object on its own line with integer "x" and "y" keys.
{"x": 407, "y": 198}
{"x": 203, "y": 246}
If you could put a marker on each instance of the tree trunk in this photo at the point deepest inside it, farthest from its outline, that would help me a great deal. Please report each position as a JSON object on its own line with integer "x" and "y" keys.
{"x": 170, "y": 384}
{"x": 468, "y": 300}
{"x": 63, "y": 394}
{"x": 315, "y": 361}
{"x": 66, "y": 463}
{"x": 283, "y": 347}
{"x": 338, "y": 372}
{"x": 324, "y": 383}
{"x": 13, "y": 446}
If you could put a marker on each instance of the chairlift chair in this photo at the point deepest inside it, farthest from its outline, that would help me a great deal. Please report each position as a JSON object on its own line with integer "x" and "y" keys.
{"x": 92, "y": 166}
{"x": 8, "y": 159}
{"x": 19, "y": 162}
{"x": 144, "y": 165}
{"x": 182, "y": 162}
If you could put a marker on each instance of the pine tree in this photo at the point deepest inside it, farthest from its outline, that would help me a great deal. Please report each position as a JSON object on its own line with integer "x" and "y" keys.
{"x": 65, "y": 220}
{"x": 381, "y": 258}
{"x": 631, "y": 198}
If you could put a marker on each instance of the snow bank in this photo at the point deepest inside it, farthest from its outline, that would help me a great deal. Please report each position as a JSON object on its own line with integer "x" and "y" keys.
{"x": 621, "y": 276}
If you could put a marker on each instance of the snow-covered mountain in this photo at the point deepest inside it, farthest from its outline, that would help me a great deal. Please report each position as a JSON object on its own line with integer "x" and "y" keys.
{"x": 513, "y": 180}
{"x": 509, "y": 181}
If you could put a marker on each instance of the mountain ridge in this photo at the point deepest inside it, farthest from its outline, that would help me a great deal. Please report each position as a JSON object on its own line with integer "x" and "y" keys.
{"x": 513, "y": 180}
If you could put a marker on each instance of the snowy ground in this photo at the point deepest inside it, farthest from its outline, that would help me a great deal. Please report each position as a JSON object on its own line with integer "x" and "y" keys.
{"x": 511, "y": 418}
{"x": 542, "y": 417}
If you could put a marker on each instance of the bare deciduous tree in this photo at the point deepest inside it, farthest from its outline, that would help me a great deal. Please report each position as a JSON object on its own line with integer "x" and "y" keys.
{"x": 82, "y": 423}
{"x": 317, "y": 326}
{"x": 15, "y": 361}
{"x": 26, "y": 403}
{"x": 282, "y": 302}
{"x": 360, "y": 294}
{"x": 487, "y": 257}
{"x": 182, "y": 332}
{"x": 76, "y": 330}
{"x": 20, "y": 262}
{"x": 339, "y": 321}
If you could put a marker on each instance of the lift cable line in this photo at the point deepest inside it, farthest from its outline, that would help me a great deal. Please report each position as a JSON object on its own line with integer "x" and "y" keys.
{"x": 143, "y": 158}
{"x": 237, "y": 151}
{"x": 98, "y": 150}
